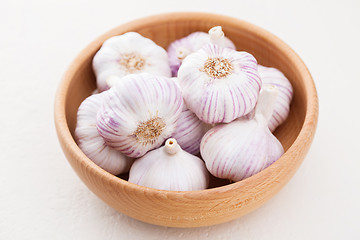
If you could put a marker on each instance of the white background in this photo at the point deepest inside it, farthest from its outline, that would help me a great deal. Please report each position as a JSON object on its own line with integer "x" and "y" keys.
{"x": 41, "y": 197}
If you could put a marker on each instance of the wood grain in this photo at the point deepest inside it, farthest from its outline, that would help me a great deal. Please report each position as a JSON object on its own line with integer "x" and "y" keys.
{"x": 194, "y": 208}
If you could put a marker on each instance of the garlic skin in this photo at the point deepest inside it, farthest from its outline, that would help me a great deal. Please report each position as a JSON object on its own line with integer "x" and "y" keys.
{"x": 181, "y": 48}
{"x": 219, "y": 84}
{"x": 170, "y": 168}
{"x": 139, "y": 113}
{"x": 282, "y": 106}
{"x": 189, "y": 131}
{"x": 244, "y": 147}
{"x": 90, "y": 141}
{"x": 128, "y": 54}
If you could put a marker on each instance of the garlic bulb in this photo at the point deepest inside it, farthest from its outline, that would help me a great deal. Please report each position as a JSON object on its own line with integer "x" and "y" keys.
{"x": 244, "y": 147}
{"x": 170, "y": 168}
{"x": 282, "y": 107}
{"x": 139, "y": 113}
{"x": 219, "y": 84}
{"x": 90, "y": 141}
{"x": 180, "y": 48}
{"x": 189, "y": 131}
{"x": 127, "y": 54}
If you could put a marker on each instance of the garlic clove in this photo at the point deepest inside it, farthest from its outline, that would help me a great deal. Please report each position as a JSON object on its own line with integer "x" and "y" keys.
{"x": 244, "y": 147}
{"x": 170, "y": 168}
{"x": 179, "y": 49}
{"x": 90, "y": 141}
{"x": 219, "y": 84}
{"x": 139, "y": 113}
{"x": 128, "y": 54}
{"x": 282, "y": 107}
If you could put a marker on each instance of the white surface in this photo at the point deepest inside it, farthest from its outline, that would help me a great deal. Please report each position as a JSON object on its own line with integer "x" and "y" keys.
{"x": 42, "y": 198}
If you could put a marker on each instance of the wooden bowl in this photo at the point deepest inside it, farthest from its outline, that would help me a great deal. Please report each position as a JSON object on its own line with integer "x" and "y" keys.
{"x": 193, "y": 208}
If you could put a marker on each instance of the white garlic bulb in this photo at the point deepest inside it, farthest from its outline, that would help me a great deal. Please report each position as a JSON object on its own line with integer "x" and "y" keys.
{"x": 282, "y": 107}
{"x": 219, "y": 84}
{"x": 170, "y": 168}
{"x": 139, "y": 113}
{"x": 90, "y": 141}
{"x": 127, "y": 54}
{"x": 244, "y": 147}
{"x": 180, "y": 48}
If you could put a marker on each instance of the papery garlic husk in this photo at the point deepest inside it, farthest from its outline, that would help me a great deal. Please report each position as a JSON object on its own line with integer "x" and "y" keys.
{"x": 170, "y": 168}
{"x": 244, "y": 147}
{"x": 219, "y": 84}
{"x": 139, "y": 113}
{"x": 285, "y": 93}
{"x": 126, "y": 54}
{"x": 180, "y": 48}
{"x": 90, "y": 141}
{"x": 189, "y": 130}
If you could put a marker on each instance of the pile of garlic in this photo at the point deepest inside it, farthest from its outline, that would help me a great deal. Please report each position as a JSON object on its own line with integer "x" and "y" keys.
{"x": 170, "y": 118}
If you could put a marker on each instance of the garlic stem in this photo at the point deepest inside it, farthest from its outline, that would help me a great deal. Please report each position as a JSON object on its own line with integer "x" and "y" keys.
{"x": 182, "y": 52}
{"x": 171, "y": 146}
{"x": 216, "y": 35}
{"x": 266, "y": 102}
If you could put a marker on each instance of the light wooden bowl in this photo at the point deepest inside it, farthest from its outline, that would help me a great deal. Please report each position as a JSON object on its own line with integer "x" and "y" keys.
{"x": 223, "y": 202}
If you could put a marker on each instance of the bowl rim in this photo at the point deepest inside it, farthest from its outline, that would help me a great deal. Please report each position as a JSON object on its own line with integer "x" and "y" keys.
{"x": 307, "y": 131}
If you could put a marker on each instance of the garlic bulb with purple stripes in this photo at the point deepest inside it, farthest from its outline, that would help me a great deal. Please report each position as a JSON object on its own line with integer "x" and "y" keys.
{"x": 219, "y": 84}
{"x": 90, "y": 141}
{"x": 180, "y": 48}
{"x": 282, "y": 106}
{"x": 244, "y": 147}
{"x": 189, "y": 131}
{"x": 128, "y": 54}
{"x": 139, "y": 113}
{"x": 170, "y": 168}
